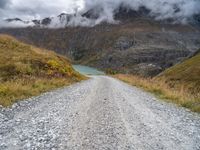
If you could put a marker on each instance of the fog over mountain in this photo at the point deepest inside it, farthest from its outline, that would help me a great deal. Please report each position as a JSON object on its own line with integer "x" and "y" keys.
{"x": 23, "y": 12}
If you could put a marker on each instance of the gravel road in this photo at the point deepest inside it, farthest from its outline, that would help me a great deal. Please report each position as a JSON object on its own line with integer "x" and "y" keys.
{"x": 99, "y": 114}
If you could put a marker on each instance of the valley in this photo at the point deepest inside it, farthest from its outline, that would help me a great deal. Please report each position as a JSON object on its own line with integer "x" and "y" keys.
{"x": 100, "y": 75}
{"x": 141, "y": 46}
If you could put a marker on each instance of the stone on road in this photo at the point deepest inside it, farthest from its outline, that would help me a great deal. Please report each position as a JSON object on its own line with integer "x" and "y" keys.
{"x": 99, "y": 114}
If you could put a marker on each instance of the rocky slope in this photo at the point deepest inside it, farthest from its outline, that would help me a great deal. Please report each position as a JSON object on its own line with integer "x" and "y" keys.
{"x": 137, "y": 44}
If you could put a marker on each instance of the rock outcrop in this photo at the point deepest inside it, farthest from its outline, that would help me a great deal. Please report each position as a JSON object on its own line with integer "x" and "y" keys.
{"x": 136, "y": 45}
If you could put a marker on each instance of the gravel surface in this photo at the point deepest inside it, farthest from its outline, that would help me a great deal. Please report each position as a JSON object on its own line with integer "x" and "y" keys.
{"x": 99, "y": 114}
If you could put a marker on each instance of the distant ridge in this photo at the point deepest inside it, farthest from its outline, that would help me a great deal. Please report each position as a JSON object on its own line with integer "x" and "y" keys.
{"x": 92, "y": 17}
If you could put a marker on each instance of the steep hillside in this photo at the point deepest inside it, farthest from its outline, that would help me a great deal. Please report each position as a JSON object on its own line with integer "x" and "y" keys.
{"x": 179, "y": 84}
{"x": 185, "y": 75}
{"x": 26, "y": 71}
{"x": 138, "y": 46}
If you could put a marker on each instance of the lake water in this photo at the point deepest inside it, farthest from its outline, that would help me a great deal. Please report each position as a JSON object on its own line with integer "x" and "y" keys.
{"x": 85, "y": 70}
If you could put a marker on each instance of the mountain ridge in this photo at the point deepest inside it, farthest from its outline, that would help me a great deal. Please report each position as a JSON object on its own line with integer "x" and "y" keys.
{"x": 92, "y": 17}
{"x": 137, "y": 44}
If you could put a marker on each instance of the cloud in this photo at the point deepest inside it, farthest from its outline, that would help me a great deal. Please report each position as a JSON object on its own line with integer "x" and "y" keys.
{"x": 179, "y": 10}
{"x": 36, "y": 8}
{"x": 3, "y": 3}
{"x": 162, "y": 9}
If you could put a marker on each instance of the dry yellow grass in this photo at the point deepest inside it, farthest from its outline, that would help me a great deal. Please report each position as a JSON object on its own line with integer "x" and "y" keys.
{"x": 27, "y": 71}
{"x": 181, "y": 95}
{"x": 179, "y": 84}
{"x": 15, "y": 90}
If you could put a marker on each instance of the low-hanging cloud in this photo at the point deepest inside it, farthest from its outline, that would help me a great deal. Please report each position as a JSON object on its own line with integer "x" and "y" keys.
{"x": 179, "y": 10}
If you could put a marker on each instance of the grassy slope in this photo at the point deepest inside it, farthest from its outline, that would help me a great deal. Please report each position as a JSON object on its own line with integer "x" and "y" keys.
{"x": 27, "y": 71}
{"x": 179, "y": 84}
{"x": 184, "y": 75}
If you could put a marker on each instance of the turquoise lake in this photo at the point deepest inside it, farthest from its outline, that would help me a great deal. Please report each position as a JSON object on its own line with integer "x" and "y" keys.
{"x": 85, "y": 70}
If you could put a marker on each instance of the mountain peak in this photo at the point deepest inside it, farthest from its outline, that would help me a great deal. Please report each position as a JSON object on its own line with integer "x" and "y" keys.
{"x": 96, "y": 16}
{"x": 13, "y": 19}
{"x": 123, "y": 13}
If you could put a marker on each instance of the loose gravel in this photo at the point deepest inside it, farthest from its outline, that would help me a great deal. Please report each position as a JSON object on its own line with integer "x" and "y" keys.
{"x": 99, "y": 114}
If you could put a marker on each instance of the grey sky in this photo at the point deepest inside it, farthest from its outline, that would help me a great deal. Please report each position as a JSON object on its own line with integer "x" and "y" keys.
{"x": 36, "y": 8}
{"x": 31, "y": 9}
{"x": 3, "y": 3}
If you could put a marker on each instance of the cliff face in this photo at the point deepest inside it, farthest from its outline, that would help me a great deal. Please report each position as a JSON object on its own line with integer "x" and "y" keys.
{"x": 138, "y": 46}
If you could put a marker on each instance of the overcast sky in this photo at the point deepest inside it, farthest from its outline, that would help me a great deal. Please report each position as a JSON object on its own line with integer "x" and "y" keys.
{"x": 37, "y": 9}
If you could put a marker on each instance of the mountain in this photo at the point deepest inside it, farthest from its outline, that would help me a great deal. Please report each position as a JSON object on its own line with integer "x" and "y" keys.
{"x": 136, "y": 44}
{"x": 26, "y": 71}
{"x": 61, "y": 20}
{"x": 37, "y": 23}
{"x": 141, "y": 47}
{"x": 124, "y": 14}
{"x": 93, "y": 17}
{"x": 184, "y": 75}
{"x": 14, "y": 19}
{"x": 184, "y": 79}
{"x": 178, "y": 84}
{"x": 93, "y": 13}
